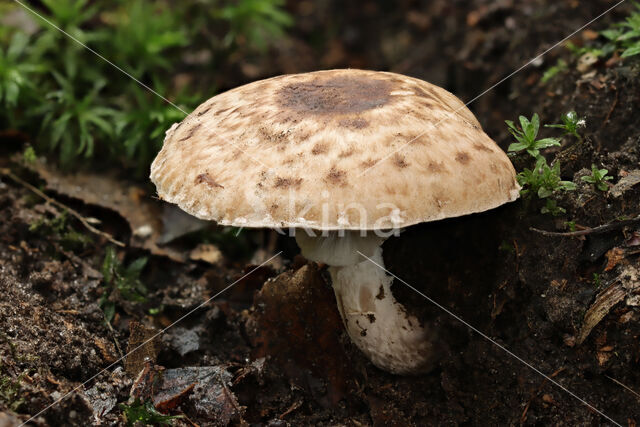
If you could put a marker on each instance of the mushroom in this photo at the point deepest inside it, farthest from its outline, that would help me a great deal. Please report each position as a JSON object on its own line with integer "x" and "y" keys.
{"x": 343, "y": 158}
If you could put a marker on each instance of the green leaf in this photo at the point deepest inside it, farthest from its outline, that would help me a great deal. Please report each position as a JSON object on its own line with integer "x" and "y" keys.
{"x": 109, "y": 264}
{"x": 544, "y": 192}
{"x": 631, "y": 51}
{"x": 517, "y": 146}
{"x": 547, "y": 142}
{"x": 527, "y": 128}
{"x": 109, "y": 310}
{"x": 17, "y": 46}
{"x": 145, "y": 413}
{"x": 135, "y": 268}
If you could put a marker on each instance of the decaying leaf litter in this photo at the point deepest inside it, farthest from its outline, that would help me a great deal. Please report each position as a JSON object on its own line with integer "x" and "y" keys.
{"x": 566, "y": 302}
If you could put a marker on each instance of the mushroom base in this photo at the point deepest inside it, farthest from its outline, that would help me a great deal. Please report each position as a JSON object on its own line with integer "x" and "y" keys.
{"x": 378, "y": 325}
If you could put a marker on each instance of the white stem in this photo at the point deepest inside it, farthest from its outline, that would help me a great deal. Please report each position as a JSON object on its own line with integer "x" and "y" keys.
{"x": 379, "y": 325}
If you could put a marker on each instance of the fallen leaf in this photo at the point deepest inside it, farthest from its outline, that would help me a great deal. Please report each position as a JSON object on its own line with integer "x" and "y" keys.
{"x": 600, "y": 308}
{"x": 206, "y": 252}
{"x": 128, "y": 199}
{"x": 614, "y": 257}
{"x": 628, "y": 181}
{"x": 626, "y": 285}
{"x": 603, "y": 357}
{"x": 204, "y": 388}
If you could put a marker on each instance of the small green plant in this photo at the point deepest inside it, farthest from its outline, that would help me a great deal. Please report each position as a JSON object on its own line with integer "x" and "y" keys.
{"x": 598, "y": 178}
{"x": 121, "y": 282}
{"x": 16, "y": 72}
{"x": 582, "y": 50}
{"x": 72, "y": 121}
{"x": 254, "y": 21}
{"x": 29, "y": 155}
{"x": 543, "y": 180}
{"x": 571, "y": 225}
{"x": 145, "y": 413}
{"x": 78, "y": 106}
{"x": 625, "y": 36}
{"x": 60, "y": 229}
{"x": 551, "y": 207}
{"x": 10, "y": 390}
{"x": 144, "y": 43}
{"x": 596, "y": 280}
{"x": 561, "y": 66}
{"x": 570, "y": 124}
{"x": 527, "y": 135}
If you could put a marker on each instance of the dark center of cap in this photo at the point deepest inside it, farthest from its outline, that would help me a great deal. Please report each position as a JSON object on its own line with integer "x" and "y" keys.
{"x": 336, "y": 95}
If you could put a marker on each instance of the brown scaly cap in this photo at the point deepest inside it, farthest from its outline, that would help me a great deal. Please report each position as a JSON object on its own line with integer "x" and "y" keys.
{"x": 291, "y": 151}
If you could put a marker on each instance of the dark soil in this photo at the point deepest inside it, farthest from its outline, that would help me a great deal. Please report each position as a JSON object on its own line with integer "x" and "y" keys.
{"x": 272, "y": 351}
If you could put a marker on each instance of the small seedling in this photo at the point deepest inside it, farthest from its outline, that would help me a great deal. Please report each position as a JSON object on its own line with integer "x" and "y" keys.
{"x": 121, "y": 282}
{"x": 59, "y": 229}
{"x": 145, "y": 413}
{"x": 543, "y": 180}
{"x": 526, "y": 136}
{"x": 507, "y": 247}
{"x": 16, "y": 75}
{"x": 571, "y": 225}
{"x": 582, "y": 50}
{"x": 596, "y": 280}
{"x": 570, "y": 124}
{"x": 551, "y": 207}
{"x": 626, "y": 35}
{"x": 29, "y": 155}
{"x": 254, "y": 21}
{"x": 10, "y": 390}
{"x": 598, "y": 178}
{"x": 553, "y": 71}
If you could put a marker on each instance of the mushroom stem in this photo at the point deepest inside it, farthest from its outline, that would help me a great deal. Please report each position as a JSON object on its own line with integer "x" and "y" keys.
{"x": 378, "y": 325}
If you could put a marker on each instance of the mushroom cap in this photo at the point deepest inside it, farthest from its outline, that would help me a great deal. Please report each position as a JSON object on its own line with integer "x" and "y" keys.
{"x": 332, "y": 150}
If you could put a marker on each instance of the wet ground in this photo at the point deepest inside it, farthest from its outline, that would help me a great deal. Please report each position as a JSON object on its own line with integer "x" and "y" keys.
{"x": 271, "y": 350}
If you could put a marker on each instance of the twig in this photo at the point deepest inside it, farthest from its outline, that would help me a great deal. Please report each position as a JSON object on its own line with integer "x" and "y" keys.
{"x": 624, "y": 386}
{"x": 76, "y": 214}
{"x": 613, "y": 107}
{"x": 595, "y": 230}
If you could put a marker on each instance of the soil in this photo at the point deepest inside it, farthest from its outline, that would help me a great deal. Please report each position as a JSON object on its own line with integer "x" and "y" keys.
{"x": 272, "y": 351}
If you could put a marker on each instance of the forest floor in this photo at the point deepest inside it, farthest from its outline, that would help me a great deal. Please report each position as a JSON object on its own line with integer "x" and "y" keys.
{"x": 271, "y": 349}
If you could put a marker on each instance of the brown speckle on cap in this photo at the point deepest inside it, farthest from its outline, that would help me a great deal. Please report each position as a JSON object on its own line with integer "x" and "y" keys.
{"x": 369, "y": 163}
{"x": 481, "y": 147}
{"x": 203, "y": 112}
{"x": 436, "y": 167}
{"x": 399, "y": 161}
{"x": 320, "y": 148}
{"x": 463, "y": 157}
{"x": 336, "y": 176}
{"x": 346, "y": 153}
{"x": 206, "y": 178}
{"x": 287, "y": 182}
{"x": 191, "y": 132}
{"x": 356, "y": 123}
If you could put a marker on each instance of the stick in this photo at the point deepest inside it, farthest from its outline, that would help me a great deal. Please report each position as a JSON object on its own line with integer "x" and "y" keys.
{"x": 76, "y": 214}
{"x": 595, "y": 230}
